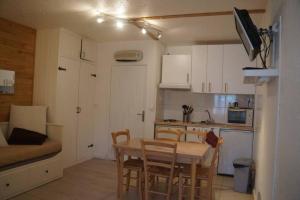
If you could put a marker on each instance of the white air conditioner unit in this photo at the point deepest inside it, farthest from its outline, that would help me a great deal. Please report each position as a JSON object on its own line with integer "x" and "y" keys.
{"x": 128, "y": 56}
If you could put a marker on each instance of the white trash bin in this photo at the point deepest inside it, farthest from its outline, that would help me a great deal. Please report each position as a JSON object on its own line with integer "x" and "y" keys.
{"x": 242, "y": 174}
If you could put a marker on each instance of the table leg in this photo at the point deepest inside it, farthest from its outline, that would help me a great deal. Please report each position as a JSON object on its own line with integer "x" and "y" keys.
{"x": 193, "y": 178}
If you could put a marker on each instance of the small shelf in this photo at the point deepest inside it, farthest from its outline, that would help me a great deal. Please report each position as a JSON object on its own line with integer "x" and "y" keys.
{"x": 259, "y": 76}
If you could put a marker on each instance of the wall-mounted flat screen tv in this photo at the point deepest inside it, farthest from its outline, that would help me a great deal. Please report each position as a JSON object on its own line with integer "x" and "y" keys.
{"x": 247, "y": 32}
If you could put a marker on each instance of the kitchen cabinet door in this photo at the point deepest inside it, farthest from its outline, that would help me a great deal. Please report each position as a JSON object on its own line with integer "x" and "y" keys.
{"x": 86, "y": 105}
{"x": 236, "y": 58}
{"x": 199, "y": 62}
{"x": 176, "y": 70}
{"x": 66, "y": 103}
{"x": 88, "y": 50}
{"x": 214, "y": 68}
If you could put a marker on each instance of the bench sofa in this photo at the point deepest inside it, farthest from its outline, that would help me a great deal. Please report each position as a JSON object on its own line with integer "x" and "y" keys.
{"x": 24, "y": 167}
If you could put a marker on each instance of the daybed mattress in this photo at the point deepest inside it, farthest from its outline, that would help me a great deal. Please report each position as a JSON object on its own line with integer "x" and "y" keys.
{"x": 14, "y": 154}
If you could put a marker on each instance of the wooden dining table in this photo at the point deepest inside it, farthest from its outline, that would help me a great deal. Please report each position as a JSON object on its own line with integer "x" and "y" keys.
{"x": 187, "y": 153}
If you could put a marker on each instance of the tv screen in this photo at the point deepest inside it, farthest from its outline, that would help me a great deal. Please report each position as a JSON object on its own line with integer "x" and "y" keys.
{"x": 247, "y": 32}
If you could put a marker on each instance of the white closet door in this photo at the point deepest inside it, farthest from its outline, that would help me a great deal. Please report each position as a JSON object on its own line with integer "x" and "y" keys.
{"x": 214, "y": 68}
{"x": 88, "y": 50}
{"x": 86, "y": 104}
{"x": 235, "y": 58}
{"x": 66, "y": 103}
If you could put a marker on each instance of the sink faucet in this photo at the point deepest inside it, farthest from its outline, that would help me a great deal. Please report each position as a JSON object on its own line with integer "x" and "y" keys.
{"x": 211, "y": 120}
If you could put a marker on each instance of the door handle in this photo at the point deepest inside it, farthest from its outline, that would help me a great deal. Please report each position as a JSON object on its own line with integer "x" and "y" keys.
{"x": 142, "y": 114}
{"x": 62, "y": 68}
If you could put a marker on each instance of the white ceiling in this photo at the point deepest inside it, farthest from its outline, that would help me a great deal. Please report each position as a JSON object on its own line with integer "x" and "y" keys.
{"x": 79, "y": 16}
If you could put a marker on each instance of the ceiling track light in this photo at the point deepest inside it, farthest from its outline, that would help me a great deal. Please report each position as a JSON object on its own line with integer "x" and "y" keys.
{"x": 100, "y": 20}
{"x": 120, "y": 24}
{"x": 144, "y": 31}
{"x": 159, "y": 35}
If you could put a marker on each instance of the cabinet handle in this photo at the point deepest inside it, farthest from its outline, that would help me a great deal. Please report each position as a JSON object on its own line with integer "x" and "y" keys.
{"x": 209, "y": 86}
{"x": 226, "y": 87}
{"x": 203, "y": 86}
{"x": 7, "y": 184}
{"x": 62, "y": 68}
{"x": 90, "y": 146}
{"x": 187, "y": 78}
{"x": 46, "y": 171}
{"x": 94, "y": 75}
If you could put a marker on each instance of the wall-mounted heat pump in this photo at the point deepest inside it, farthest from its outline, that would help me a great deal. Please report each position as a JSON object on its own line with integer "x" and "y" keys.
{"x": 128, "y": 56}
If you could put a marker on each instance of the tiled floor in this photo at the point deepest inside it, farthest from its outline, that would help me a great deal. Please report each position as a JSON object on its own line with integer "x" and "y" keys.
{"x": 96, "y": 180}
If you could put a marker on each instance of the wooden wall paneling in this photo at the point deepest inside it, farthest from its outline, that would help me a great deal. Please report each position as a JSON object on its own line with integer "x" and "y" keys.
{"x": 17, "y": 49}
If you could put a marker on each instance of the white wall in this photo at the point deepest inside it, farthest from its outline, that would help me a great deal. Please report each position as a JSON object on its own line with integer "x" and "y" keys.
{"x": 152, "y": 59}
{"x": 278, "y": 114}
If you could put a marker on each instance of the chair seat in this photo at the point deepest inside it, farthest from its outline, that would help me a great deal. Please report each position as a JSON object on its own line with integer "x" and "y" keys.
{"x": 133, "y": 164}
{"x": 201, "y": 172}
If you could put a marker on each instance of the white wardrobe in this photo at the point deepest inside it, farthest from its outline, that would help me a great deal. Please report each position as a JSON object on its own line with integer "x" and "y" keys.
{"x": 65, "y": 82}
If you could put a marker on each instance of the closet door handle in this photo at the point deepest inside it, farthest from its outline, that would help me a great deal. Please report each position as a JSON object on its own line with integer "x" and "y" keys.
{"x": 78, "y": 109}
{"x": 62, "y": 68}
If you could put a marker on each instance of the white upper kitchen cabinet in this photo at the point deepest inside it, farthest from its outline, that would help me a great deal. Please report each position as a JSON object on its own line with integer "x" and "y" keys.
{"x": 176, "y": 72}
{"x": 214, "y": 68}
{"x": 88, "y": 50}
{"x": 199, "y": 62}
{"x": 236, "y": 58}
{"x": 69, "y": 44}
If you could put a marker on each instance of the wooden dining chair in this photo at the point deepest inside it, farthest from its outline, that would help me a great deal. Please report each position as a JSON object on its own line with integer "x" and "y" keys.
{"x": 203, "y": 174}
{"x": 159, "y": 161}
{"x": 167, "y": 135}
{"x": 130, "y": 165}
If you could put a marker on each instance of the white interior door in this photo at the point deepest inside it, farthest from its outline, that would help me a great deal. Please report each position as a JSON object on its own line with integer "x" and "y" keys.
{"x": 66, "y": 103}
{"x": 86, "y": 105}
{"x": 128, "y": 100}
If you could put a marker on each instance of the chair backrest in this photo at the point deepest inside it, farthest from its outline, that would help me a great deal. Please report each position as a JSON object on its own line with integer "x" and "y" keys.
{"x": 120, "y": 134}
{"x": 167, "y": 135}
{"x": 192, "y": 136}
{"x": 124, "y": 135}
{"x": 215, "y": 157}
{"x": 159, "y": 153}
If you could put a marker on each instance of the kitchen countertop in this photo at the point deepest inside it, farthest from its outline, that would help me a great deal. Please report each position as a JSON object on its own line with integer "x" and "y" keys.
{"x": 190, "y": 124}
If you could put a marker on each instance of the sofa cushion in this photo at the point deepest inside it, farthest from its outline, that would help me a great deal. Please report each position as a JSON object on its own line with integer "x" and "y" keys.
{"x": 3, "y": 141}
{"x": 28, "y": 117}
{"x": 13, "y": 154}
{"x": 23, "y": 136}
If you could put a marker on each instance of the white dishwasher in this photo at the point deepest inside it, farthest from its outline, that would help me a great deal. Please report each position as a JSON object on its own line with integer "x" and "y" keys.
{"x": 237, "y": 144}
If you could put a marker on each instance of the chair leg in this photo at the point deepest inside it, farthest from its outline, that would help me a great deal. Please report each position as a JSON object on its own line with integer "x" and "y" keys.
{"x": 180, "y": 185}
{"x": 128, "y": 177}
{"x": 139, "y": 184}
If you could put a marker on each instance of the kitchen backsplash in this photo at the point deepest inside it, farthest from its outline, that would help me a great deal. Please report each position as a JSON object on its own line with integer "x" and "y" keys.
{"x": 171, "y": 101}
